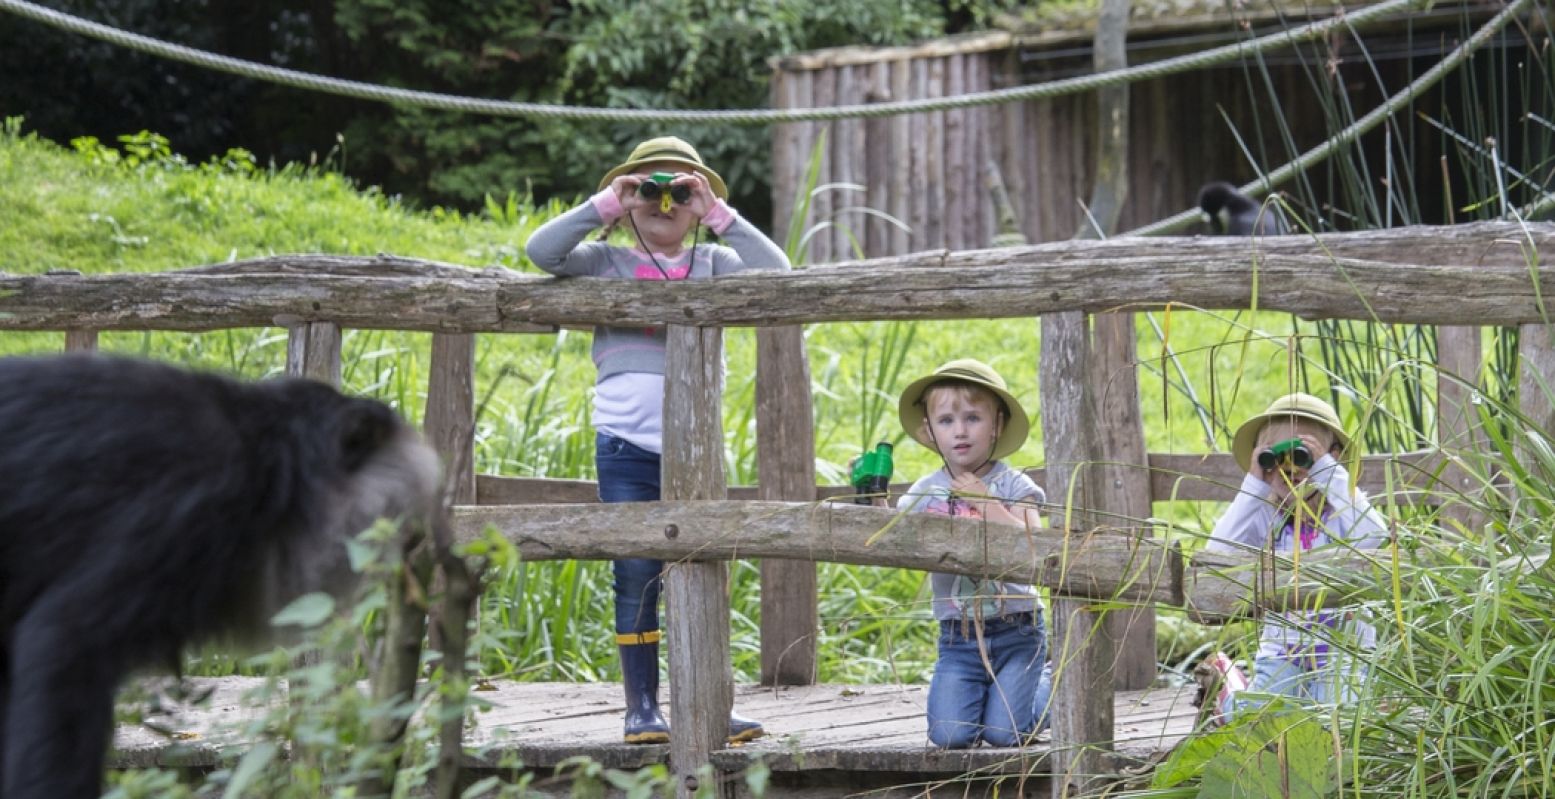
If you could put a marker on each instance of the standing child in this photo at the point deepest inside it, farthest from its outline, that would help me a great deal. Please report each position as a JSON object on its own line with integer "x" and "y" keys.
{"x": 988, "y": 682}
{"x": 662, "y": 193}
{"x": 1297, "y": 494}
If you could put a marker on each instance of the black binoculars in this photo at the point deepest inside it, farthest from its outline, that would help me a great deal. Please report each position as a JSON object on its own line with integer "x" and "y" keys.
{"x": 658, "y": 186}
{"x": 1291, "y": 449}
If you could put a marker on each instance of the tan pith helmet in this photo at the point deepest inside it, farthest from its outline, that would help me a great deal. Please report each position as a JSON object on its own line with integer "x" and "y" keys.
{"x": 671, "y": 149}
{"x": 911, "y": 411}
{"x": 1301, "y": 406}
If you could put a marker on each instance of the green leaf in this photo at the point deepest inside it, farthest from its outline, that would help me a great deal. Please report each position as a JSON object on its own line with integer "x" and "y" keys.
{"x": 308, "y": 610}
{"x": 249, "y": 768}
{"x": 1281, "y": 753}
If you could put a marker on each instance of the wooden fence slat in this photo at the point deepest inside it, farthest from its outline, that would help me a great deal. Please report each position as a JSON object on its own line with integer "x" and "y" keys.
{"x": 1458, "y": 362}
{"x": 785, "y": 468}
{"x": 696, "y": 592}
{"x": 1083, "y": 652}
{"x": 954, "y": 189}
{"x": 80, "y": 341}
{"x": 1536, "y": 382}
{"x": 933, "y": 179}
{"x": 879, "y": 164}
{"x": 918, "y": 165}
{"x": 900, "y": 203}
{"x": 450, "y": 412}
{"x": 1124, "y": 488}
{"x": 313, "y": 351}
{"x": 824, "y": 85}
{"x": 787, "y": 162}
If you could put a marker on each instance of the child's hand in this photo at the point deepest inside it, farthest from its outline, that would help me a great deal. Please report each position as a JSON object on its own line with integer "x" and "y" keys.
{"x": 625, "y": 187}
{"x": 702, "y": 198}
{"x": 970, "y": 488}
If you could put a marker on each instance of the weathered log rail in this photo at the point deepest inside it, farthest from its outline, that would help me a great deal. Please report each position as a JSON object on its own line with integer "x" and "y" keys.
{"x": 1471, "y": 275}
{"x": 1487, "y": 275}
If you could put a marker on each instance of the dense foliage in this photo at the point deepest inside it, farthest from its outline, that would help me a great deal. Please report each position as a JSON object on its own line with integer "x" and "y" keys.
{"x": 649, "y": 53}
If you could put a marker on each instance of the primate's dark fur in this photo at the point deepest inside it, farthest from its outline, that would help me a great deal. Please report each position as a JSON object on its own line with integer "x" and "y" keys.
{"x": 142, "y": 508}
{"x": 1229, "y": 212}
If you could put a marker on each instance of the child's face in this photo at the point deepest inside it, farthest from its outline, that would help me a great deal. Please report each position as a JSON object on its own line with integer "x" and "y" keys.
{"x": 1285, "y": 477}
{"x": 963, "y": 422}
{"x": 662, "y": 231}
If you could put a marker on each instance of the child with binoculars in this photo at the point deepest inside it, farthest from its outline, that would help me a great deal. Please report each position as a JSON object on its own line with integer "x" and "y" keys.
{"x": 664, "y": 193}
{"x": 990, "y": 681}
{"x": 1297, "y": 495}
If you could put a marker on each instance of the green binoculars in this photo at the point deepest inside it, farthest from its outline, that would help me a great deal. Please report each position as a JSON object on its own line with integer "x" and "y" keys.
{"x": 1291, "y": 449}
{"x": 659, "y": 186}
{"x": 872, "y": 474}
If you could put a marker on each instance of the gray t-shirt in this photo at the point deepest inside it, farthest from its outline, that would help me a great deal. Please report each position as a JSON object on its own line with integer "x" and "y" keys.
{"x": 957, "y": 596}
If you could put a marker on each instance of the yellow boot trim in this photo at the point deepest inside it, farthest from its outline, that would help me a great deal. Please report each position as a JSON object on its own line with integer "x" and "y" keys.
{"x": 632, "y": 639}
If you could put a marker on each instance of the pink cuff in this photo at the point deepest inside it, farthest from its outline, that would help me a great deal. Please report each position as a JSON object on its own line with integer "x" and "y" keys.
{"x": 720, "y": 217}
{"x": 608, "y": 205}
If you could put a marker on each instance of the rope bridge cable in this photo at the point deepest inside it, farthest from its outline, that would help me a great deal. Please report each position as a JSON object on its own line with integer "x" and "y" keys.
{"x": 1355, "y": 130}
{"x": 761, "y": 116}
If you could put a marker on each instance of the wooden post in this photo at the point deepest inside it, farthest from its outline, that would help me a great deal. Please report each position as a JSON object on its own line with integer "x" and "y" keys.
{"x": 80, "y": 341}
{"x": 1124, "y": 487}
{"x": 1082, "y": 710}
{"x": 1536, "y": 381}
{"x": 1458, "y": 432}
{"x": 696, "y": 593}
{"x": 785, "y": 469}
{"x": 450, "y": 413}
{"x": 313, "y": 350}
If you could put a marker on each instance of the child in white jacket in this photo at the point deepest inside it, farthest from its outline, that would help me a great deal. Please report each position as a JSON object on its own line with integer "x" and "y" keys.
{"x": 1297, "y": 494}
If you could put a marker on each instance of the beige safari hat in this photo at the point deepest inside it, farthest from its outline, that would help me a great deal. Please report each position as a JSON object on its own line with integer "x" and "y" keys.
{"x": 1304, "y": 406}
{"x": 968, "y": 370}
{"x": 667, "y": 148}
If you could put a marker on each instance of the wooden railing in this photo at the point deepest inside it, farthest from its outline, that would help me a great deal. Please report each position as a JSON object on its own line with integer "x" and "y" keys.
{"x": 1465, "y": 276}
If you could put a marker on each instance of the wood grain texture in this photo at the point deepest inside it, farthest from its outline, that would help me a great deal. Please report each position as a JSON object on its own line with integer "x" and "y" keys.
{"x": 450, "y": 412}
{"x": 1468, "y": 274}
{"x": 785, "y": 470}
{"x": 313, "y": 351}
{"x": 696, "y": 592}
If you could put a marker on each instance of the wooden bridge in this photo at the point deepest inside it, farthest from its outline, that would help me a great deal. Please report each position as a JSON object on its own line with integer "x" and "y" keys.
{"x": 1085, "y": 292}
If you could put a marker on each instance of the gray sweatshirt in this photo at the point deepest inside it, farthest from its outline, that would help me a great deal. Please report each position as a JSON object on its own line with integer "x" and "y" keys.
{"x": 558, "y": 247}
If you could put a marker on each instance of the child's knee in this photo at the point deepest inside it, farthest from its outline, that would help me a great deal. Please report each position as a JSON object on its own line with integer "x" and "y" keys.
{"x": 954, "y": 735}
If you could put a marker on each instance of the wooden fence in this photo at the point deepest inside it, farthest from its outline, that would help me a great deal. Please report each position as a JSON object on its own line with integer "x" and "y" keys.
{"x": 1467, "y": 276}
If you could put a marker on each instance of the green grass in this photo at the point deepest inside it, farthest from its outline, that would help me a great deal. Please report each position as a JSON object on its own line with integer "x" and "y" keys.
{"x": 80, "y": 209}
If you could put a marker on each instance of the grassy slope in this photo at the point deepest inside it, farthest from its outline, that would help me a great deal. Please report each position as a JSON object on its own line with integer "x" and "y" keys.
{"x": 64, "y": 210}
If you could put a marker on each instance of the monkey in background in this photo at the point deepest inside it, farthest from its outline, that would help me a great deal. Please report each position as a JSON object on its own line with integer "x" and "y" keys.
{"x": 1229, "y": 212}
{"x": 143, "y": 508}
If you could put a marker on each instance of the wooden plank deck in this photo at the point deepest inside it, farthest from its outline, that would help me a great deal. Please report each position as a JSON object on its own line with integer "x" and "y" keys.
{"x": 822, "y": 728}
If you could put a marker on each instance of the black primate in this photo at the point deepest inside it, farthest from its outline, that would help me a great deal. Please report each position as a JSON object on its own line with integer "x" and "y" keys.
{"x": 1229, "y": 212}
{"x": 143, "y": 507}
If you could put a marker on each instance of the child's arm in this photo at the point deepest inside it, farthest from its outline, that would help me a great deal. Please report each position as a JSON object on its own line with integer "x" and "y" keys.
{"x": 558, "y": 248}
{"x": 1246, "y": 523}
{"x": 752, "y": 249}
{"x": 1024, "y": 495}
{"x": 1354, "y": 519}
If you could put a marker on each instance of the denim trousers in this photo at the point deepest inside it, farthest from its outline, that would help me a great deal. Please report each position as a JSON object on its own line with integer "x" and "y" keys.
{"x": 629, "y": 473}
{"x": 1002, "y": 701}
{"x": 1336, "y": 682}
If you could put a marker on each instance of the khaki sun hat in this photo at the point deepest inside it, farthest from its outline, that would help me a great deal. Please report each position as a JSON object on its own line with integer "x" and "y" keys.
{"x": 672, "y": 149}
{"x": 911, "y": 410}
{"x": 1303, "y": 406}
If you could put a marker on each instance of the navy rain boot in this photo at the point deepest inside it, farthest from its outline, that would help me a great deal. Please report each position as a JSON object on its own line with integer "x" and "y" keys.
{"x": 640, "y": 676}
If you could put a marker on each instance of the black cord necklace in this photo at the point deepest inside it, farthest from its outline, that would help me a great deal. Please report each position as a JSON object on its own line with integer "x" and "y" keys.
{"x": 696, "y": 236}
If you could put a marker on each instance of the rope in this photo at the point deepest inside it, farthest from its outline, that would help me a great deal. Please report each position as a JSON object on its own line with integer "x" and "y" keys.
{"x": 763, "y": 116}
{"x": 1345, "y": 137}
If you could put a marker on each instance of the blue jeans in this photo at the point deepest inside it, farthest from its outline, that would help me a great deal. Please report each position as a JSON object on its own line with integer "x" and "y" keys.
{"x": 1335, "y": 683}
{"x": 971, "y": 702}
{"x": 629, "y": 473}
